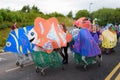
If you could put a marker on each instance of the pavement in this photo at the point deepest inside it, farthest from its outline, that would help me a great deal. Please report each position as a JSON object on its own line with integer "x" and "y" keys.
{"x": 72, "y": 71}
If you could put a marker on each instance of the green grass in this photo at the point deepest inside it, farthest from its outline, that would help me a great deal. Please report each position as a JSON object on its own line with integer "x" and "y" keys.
{"x": 1, "y": 48}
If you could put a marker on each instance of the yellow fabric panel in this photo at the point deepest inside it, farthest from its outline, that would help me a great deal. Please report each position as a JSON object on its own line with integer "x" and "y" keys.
{"x": 109, "y": 39}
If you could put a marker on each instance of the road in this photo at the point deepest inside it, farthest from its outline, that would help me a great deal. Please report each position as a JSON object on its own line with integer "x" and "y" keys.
{"x": 9, "y": 71}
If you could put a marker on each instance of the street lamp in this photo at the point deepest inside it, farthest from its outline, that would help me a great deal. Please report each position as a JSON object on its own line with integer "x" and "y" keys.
{"x": 90, "y": 7}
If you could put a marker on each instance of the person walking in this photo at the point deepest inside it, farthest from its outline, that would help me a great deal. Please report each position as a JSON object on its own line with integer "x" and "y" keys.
{"x": 14, "y": 26}
{"x": 65, "y": 55}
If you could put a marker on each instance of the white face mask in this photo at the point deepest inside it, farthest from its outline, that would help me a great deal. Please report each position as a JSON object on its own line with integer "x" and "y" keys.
{"x": 32, "y": 36}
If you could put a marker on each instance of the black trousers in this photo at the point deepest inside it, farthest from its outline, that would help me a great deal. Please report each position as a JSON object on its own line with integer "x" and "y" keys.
{"x": 64, "y": 54}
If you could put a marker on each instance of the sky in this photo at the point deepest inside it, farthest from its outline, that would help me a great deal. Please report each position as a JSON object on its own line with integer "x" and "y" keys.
{"x": 60, "y": 6}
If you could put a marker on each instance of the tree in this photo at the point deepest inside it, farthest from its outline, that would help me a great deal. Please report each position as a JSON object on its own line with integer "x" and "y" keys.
{"x": 1, "y": 19}
{"x": 35, "y": 9}
{"x": 55, "y": 14}
{"x": 4, "y": 14}
{"x": 70, "y": 15}
{"x": 117, "y": 15}
{"x": 106, "y": 15}
{"x": 81, "y": 13}
{"x": 26, "y": 9}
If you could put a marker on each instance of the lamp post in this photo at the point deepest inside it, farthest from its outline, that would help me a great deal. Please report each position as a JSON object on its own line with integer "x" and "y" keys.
{"x": 90, "y": 8}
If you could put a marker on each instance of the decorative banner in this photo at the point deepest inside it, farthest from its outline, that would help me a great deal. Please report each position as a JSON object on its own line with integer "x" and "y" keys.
{"x": 47, "y": 34}
{"x": 109, "y": 39}
{"x": 17, "y": 41}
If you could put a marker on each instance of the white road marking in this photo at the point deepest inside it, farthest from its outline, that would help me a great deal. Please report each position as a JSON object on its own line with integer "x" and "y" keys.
{"x": 12, "y": 69}
{"x": 17, "y": 67}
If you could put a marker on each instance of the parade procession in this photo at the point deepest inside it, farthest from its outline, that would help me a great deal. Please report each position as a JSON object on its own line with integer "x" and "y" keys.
{"x": 45, "y": 41}
{"x": 52, "y": 46}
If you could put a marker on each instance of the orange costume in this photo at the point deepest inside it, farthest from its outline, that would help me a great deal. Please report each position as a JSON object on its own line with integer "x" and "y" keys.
{"x": 47, "y": 34}
{"x": 83, "y": 23}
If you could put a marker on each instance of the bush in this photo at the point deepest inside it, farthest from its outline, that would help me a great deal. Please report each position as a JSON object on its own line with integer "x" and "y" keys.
{"x": 3, "y": 26}
{"x": 8, "y": 25}
{"x": 1, "y": 19}
{"x": 2, "y": 41}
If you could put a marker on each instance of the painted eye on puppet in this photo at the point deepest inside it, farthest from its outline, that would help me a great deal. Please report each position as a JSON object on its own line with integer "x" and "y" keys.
{"x": 32, "y": 33}
{"x": 8, "y": 44}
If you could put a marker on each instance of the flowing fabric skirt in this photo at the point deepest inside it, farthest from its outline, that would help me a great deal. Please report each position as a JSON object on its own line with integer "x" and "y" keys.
{"x": 86, "y": 45}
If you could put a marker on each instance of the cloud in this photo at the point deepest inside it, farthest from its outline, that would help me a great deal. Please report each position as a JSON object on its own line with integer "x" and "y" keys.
{"x": 61, "y": 6}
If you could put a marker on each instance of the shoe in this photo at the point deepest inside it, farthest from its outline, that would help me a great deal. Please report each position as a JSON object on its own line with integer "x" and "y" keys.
{"x": 65, "y": 61}
{"x": 106, "y": 53}
{"x": 101, "y": 58}
{"x": 112, "y": 50}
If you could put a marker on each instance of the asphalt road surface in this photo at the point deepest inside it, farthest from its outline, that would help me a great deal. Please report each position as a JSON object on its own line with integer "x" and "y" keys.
{"x": 9, "y": 71}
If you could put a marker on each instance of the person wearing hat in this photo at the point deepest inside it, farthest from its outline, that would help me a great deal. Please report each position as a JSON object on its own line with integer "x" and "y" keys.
{"x": 95, "y": 23}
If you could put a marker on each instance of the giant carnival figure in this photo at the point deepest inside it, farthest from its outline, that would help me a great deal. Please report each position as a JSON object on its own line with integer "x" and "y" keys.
{"x": 18, "y": 44}
{"x": 83, "y": 45}
{"x": 48, "y": 38}
{"x": 109, "y": 39}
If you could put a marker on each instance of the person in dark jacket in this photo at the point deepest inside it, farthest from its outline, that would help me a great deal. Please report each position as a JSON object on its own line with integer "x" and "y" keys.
{"x": 65, "y": 55}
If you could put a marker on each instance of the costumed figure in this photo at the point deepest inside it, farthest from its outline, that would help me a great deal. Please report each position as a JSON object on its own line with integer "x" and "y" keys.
{"x": 74, "y": 31}
{"x": 96, "y": 33}
{"x": 83, "y": 22}
{"x": 48, "y": 36}
{"x": 18, "y": 43}
{"x": 85, "y": 47}
{"x": 109, "y": 39}
{"x": 95, "y": 24}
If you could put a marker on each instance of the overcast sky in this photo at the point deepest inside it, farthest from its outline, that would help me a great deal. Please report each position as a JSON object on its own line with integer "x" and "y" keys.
{"x": 61, "y": 6}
